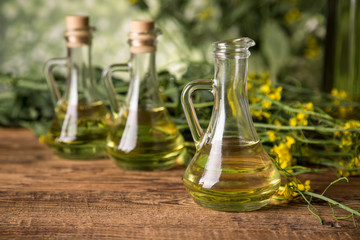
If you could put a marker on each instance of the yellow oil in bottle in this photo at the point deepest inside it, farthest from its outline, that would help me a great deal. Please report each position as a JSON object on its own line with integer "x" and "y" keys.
{"x": 245, "y": 180}
{"x": 79, "y": 131}
{"x": 145, "y": 139}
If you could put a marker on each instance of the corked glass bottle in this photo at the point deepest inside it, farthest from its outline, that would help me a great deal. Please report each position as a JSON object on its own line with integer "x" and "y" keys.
{"x": 81, "y": 122}
{"x": 144, "y": 136}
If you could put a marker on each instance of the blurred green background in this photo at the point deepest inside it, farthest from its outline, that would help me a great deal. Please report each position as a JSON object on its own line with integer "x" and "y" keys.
{"x": 289, "y": 36}
{"x": 289, "y": 33}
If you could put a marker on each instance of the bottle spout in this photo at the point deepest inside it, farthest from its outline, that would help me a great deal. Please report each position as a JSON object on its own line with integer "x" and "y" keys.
{"x": 237, "y": 47}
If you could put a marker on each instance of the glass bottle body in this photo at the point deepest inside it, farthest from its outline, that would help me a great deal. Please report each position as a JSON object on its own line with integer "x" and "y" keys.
{"x": 143, "y": 137}
{"x": 230, "y": 170}
{"x": 81, "y": 122}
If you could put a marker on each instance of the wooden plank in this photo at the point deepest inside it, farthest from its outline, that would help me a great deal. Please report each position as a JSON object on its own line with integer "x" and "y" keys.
{"x": 43, "y": 196}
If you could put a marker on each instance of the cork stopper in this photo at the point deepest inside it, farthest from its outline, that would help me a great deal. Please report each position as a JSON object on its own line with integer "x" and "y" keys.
{"x": 141, "y": 26}
{"x": 78, "y": 31}
{"x": 142, "y": 36}
{"x": 77, "y": 22}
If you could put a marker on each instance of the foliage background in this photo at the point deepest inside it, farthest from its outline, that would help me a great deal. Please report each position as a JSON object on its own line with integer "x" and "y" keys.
{"x": 289, "y": 33}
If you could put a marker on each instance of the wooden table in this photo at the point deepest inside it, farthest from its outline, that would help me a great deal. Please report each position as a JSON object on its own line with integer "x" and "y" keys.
{"x": 43, "y": 196}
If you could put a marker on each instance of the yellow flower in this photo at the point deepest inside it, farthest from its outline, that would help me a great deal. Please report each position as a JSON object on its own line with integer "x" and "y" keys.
{"x": 265, "y": 89}
{"x": 301, "y": 116}
{"x": 334, "y": 92}
{"x": 343, "y": 173}
{"x": 289, "y": 191}
{"x": 256, "y": 113}
{"x": 350, "y": 167}
{"x": 352, "y": 124}
{"x": 308, "y": 106}
{"x": 266, "y": 114}
{"x": 277, "y": 123}
{"x": 266, "y": 104}
{"x": 42, "y": 139}
{"x": 283, "y": 154}
{"x": 289, "y": 141}
{"x": 357, "y": 161}
{"x": 340, "y": 94}
{"x": 341, "y": 110}
{"x": 276, "y": 94}
{"x": 303, "y": 122}
{"x": 259, "y": 114}
{"x": 272, "y": 135}
{"x": 301, "y": 187}
{"x": 293, "y": 121}
{"x": 307, "y": 185}
{"x": 348, "y": 138}
{"x": 345, "y": 142}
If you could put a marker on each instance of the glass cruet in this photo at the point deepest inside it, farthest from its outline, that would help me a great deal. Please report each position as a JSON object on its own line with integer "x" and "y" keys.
{"x": 230, "y": 170}
{"x": 81, "y": 122}
{"x": 144, "y": 136}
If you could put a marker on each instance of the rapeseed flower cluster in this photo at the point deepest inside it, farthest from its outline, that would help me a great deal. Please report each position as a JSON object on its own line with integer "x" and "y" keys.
{"x": 338, "y": 108}
{"x": 351, "y": 168}
{"x": 297, "y": 131}
{"x": 282, "y": 151}
{"x": 348, "y": 138}
{"x": 301, "y": 118}
{"x": 291, "y": 189}
{"x": 261, "y": 95}
{"x": 349, "y": 143}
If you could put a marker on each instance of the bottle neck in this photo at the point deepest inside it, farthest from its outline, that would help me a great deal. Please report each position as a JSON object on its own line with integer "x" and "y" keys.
{"x": 231, "y": 116}
{"x": 80, "y": 86}
{"x": 230, "y": 74}
{"x": 143, "y": 90}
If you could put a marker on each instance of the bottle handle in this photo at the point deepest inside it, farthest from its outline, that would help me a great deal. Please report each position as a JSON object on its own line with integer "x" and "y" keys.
{"x": 51, "y": 82}
{"x": 106, "y": 77}
{"x": 196, "y": 131}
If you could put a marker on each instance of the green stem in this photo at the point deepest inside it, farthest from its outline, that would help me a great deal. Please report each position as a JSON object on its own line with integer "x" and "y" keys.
{"x": 205, "y": 104}
{"x": 316, "y": 215}
{"x": 319, "y": 142}
{"x": 290, "y": 109}
{"x": 308, "y": 128}
{"x": 332, "y": 183}
{"x": 335, "y": 203}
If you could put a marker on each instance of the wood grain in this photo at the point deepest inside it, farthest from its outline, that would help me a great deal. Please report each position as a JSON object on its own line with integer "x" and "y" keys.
{"x": 43, "y": 196}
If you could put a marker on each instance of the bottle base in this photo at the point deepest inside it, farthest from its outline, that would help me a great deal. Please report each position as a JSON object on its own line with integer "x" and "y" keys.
{"x": 79, "y": 152}
{"x": 146, "y": 162}
{"x": 233, "y": 207}
{"x": 238, "y": 201}
{"x": 145, "y": 167}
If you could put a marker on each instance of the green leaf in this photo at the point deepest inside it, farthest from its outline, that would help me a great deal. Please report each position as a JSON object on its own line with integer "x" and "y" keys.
{"x": 275, "y": 46}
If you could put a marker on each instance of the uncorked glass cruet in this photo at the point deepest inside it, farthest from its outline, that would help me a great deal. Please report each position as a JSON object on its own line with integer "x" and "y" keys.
{"x": 230, "y": 170}
{"x": 81, "y": 122}
{"x": 143, "y": 137}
